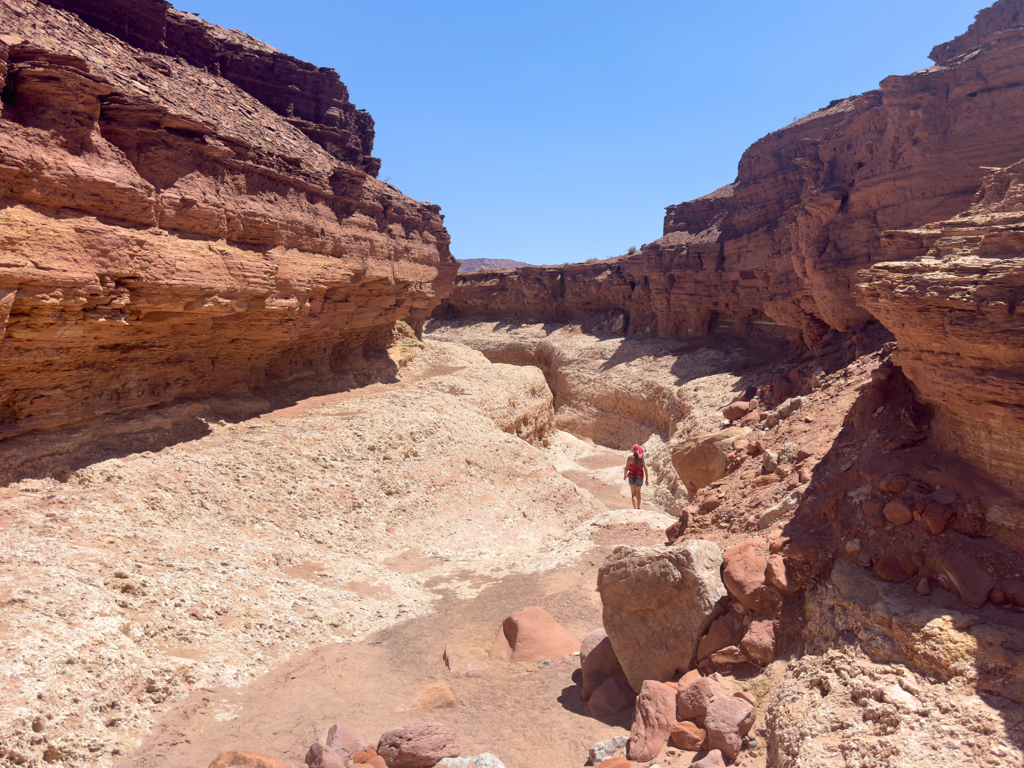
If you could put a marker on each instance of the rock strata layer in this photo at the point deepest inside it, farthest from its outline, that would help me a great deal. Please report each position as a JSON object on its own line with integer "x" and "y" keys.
{"x": 186, "y": 212}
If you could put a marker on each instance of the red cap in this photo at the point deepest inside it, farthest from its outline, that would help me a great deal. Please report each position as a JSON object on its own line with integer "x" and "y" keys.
{"x": 638, "y": 450}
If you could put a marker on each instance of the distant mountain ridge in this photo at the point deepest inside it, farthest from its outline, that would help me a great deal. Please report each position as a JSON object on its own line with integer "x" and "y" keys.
{"x": 473, "y": 265}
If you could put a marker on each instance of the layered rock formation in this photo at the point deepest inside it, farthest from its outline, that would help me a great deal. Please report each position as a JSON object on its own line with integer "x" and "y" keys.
{"x": 186, "y": 211}
{"x": 780, "y": 247}
{"x": 952, "y": 299}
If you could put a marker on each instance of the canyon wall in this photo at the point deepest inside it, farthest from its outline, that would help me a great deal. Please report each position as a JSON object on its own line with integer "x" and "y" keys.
{"x": 781, "y": 246}
{"x": 185, "y": 211}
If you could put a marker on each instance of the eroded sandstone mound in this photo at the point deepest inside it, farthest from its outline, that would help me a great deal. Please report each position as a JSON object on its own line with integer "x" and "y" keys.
{"x": 186, "y": 211}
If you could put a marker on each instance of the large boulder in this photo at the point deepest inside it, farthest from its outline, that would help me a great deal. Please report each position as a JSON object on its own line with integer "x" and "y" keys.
{"x": 658, "y": 604}
{"x": 417, "y": 746}
{"x": 532, "y": 635}
{"x": 701, "y": 459}
{"x": 652, "y": 723}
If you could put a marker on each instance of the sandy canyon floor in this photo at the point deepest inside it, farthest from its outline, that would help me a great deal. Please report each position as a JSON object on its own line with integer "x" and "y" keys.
{"x": 308, "y": 565}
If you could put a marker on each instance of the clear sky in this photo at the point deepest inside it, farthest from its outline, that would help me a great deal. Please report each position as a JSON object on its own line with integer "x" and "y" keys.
{"x": 558, "y": 131}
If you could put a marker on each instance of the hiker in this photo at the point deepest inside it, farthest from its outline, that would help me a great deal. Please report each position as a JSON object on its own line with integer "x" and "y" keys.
{"x": 636, "y": 471}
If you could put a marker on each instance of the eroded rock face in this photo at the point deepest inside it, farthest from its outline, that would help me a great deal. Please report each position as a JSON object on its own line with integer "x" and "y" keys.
{"x": 170, "y": 234}
{"x": 953, "y": 300}
{"x": 658, "y": 605}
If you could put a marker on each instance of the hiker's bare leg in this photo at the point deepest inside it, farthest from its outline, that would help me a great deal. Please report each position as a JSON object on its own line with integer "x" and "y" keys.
{"x": 635, "y": 490}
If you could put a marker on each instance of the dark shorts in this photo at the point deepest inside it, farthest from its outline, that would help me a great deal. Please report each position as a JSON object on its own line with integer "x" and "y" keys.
{"x": 637, "y": 481}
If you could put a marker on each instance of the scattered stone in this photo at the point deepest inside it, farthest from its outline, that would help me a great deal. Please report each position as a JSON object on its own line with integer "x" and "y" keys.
{"x": 736, "y": 410}
{"x": 728, "y": 656}
{"x": 769, "y": 462}
{"x": 602, "y": 750}
{"x": 713, "y": 759}
{"x": 320, "y": 755}
{"x": 483, "y": 760}
{"x": 923, "y": 587}
{"x": 894, "y": 484}
{"x": 778, "y": 576}
{"x": 936, "y": 517}
{"x": 345, "y": 740}
{"x": 759, "y": 642}
{"x": 693, "y": 698}
{"x": 653, "y": 721}
{"x": 435, "y": 696}
{"x": 462, "y": 663}
{"x": 243, "y": 759}
{"x": 872, "y": 512}
{"x": 724, "y": 631}
{"x": 364, "y": 755}
{"x": 969, "y": 580}
{"x": 744, "y": 574}
{"x": 615, "y": 762}
{"x": 728, "y": 720}
{"x": 612, "y": 696}
{"x": 889, "y": 568}
{"x": 688, "y": 736}
{"x": 532, "y": 635}
{"x": 600, "y": 662}
{"x": 420, "y": 745}
{"x": 658, "y": 604}
{"x": 897, "y": 512}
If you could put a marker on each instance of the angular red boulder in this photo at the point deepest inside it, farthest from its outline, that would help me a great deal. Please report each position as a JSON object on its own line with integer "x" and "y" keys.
{"x": 688, "y": 736}
{"x": 417, "y": 746}
{"x": 532, "y": 635}
{"x": 695, "y": 696}
{"x": 778, "y": 576}
{"x": 744, "y": 572}
{"x": 653, "y": 721}
{"x": 727, "y": 722}
{"x": 713, "y": 759}
{"x": 759, "y": 642}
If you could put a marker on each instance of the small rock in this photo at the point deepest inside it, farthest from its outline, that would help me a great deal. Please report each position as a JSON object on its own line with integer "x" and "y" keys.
{"x": 435, "y": 696}
{"x": 364, "y": 755}
{"x": 602, "y": 750}
{"x": 970, "y": 580}
{"x": 889, "y": 568}
{"x": 420, "y": 745}
{"x": 759, "y": 642}
{"x": 463, "y": 664}
{"x": 696, "y": 695}
{"x": 727, "y": 721}
{"x": 873, "y": 516}
{"x": 713, "y": 759}
{"x": 688, "y": 736}
{"x": 483, "y": 760}
{"x": 615, "y": 762}
{"x": 778, "y": 576}
{"x": 244, "y": 759}
{"x": 744, "y": 573}
{"x": 936, "y": 517}
{"x": 923, "y": 586}
{"x": 724, "y": 631}
{"x": 320, "y": 755}
{"x": 729, "y": 656}
{"x": 345, "y": 740}
{"x": 736, "y": 410}
{"x": 897, "y": 513}
{"x": 894, "y": 484}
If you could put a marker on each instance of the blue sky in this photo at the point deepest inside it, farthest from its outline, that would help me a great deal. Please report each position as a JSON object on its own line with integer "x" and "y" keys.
{"x": 559, "y": 131}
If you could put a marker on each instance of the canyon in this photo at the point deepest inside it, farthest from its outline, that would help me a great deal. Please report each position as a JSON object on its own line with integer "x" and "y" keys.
{"x": 268, "y": 465}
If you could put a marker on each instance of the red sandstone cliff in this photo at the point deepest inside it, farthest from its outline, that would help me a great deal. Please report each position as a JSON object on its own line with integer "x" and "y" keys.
{"x": 782, "y": 244}
{"x": 186, "y": 211}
